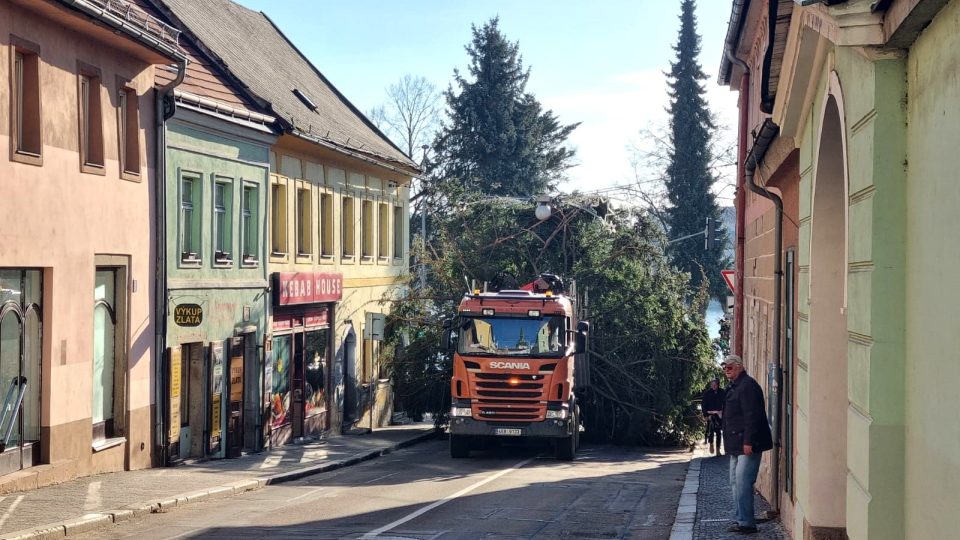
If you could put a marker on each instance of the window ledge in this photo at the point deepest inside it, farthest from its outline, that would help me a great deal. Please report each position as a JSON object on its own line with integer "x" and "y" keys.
{"x": 99, "y": 446}
{"x": 29, "y": 158}
{"x": 93, "y": 168}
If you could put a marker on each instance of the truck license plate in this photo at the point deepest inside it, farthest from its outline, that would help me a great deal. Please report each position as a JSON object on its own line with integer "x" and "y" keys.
{"x": 507, "y": 431}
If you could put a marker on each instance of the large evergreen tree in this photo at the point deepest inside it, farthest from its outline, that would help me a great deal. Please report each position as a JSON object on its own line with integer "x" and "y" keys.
{"x": 689, "y": 177}
{"x": 498, "y": 139}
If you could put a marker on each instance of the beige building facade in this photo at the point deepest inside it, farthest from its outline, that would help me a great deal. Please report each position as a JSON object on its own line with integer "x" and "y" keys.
{"x": 77, "y": 334}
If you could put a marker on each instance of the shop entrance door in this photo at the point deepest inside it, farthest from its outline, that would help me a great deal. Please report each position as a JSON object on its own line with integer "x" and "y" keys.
{"x": 309, "y": 381}
{"x": 297, "y": 399}
{"x": 235, "y": 418}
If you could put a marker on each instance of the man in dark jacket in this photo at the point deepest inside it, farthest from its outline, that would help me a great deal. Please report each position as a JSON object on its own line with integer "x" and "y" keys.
{"x": 746, "y": 435}
{"x": 712, "y": 407}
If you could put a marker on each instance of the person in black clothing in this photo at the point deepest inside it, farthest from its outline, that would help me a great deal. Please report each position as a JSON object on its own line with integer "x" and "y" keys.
{"x": 746, "y": 435}
{"x": 712, "y": 406}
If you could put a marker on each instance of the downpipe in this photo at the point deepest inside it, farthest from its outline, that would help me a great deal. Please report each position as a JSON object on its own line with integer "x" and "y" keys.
{"x": 739, "y": 198}
{"x": 769, "y": 131}
{"x": 165, "y": 109}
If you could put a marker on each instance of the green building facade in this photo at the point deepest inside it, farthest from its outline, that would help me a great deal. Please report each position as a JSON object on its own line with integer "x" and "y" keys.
{"x": 217, "y": 291}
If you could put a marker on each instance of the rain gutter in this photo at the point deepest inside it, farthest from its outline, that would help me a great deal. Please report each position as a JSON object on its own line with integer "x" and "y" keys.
{"x": 768, "y": 132}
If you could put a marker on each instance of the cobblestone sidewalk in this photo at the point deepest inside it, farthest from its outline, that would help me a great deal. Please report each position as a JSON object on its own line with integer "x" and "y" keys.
{"x": 715, "y": 505}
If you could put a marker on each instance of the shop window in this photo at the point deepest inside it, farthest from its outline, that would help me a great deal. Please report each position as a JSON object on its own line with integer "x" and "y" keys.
{"x": 189, "y": 224}
{"x": 366, "y": 228}
{"x": 20, "y": 307}
{"x": 278, "y": 219}
{"x": 383, "y": 225}
{"x": 91, "y": 121}
{"x": 128, "y": 124}
{"x": 346, "y": 215}
{"x": 280, "y": 395}
{"x": 397, "y": 232}
{"x": 326, "y": 225}
{"x": 249, "y": 225}
{"x": 25, "y": 103}
{"x": 108, "y": 354}
{"x": 304, "y": 222}
{"x": 222, "y": 221}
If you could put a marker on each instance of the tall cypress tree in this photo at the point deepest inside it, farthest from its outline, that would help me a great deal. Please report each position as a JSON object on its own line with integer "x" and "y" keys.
{"x": 689, "y": 177}
{"x": 498, "y": 139}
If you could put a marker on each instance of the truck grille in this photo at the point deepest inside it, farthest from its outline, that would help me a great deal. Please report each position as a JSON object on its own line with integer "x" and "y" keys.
{"x": 497, "y": 399}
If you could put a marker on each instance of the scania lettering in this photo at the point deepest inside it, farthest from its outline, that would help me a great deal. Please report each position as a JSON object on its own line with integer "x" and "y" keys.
{"x": 515, "y": 367}
{"x": 509, "y": 365}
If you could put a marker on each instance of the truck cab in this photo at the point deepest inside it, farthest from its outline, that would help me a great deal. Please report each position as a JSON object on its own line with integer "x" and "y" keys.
{"x": 514, "y": 370}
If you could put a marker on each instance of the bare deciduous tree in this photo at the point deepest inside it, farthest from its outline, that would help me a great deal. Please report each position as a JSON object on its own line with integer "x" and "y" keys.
{"x": 410, "y": 115}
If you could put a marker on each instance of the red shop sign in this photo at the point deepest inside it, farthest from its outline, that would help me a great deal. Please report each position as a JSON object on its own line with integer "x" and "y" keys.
{"x": 291, "y": 288}
{"x": 315, "y": 317}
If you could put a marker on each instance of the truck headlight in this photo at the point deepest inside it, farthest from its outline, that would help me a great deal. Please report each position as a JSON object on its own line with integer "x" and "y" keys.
{"x": 460, "y": 411}
{"x": 556, "y": 413}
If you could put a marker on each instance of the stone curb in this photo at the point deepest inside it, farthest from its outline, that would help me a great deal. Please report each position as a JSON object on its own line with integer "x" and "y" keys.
{"x": 92, "y": 521}
{"x": 687, "y": 507}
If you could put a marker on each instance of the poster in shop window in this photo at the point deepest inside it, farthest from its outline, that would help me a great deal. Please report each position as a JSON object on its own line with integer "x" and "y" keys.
{"x": 280, "y": 392}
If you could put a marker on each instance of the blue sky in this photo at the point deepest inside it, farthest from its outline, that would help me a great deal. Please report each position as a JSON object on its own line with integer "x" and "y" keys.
{"x": 600, "y": 63}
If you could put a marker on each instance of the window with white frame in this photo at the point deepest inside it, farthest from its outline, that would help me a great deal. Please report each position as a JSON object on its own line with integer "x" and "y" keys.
{"x": 248, "y": 225}
{"x": 398, "y": 232}
{"x": 278, "y": 219}
{"x": 366, "y": 229}
{"x": 189, "y": 222}
{"x": 304, "y": 222}
{"x": 347, "y": 227}
{"x": 222, "y": 220}
{"x": 326, "y": 225}
{"x": 383, "y": 228}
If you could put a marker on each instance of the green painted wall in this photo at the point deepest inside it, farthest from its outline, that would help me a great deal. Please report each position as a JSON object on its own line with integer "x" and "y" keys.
{"x": 933, "y": 257}
{"x": 233, "y": 297}
{"x": 872, "y": 99}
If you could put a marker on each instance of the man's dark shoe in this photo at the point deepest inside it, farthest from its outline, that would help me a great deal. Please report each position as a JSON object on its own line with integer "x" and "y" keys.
{"x": 741, "y": 529}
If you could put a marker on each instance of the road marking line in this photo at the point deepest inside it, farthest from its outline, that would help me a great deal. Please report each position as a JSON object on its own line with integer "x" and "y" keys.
{"x": 425, "y": 509}
{"x": 381, "y": 477}
{"x": 307, "y": 494}
{"x": 9, "y": 512}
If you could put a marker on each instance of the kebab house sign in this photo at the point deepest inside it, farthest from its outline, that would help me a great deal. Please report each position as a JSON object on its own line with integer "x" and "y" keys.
{"x": 292, "y": 288}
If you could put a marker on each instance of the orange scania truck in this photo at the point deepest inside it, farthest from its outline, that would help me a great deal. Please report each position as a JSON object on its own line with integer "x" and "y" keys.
{"x": 514, "y": 369}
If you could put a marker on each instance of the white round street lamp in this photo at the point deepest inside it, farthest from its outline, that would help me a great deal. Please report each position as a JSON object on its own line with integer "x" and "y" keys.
{"x": 543, "y": 210}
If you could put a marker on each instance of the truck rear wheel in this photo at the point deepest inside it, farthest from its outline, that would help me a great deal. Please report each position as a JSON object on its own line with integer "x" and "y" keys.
{"x": 459, "y": 447}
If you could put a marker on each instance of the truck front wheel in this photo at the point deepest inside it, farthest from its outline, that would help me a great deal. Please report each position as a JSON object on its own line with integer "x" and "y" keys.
{"x": 567, "y": 447}
{"x": 459, "y": 446}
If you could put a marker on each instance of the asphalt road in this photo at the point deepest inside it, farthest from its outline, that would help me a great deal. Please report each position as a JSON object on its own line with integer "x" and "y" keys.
{"x": 420, "y": 492}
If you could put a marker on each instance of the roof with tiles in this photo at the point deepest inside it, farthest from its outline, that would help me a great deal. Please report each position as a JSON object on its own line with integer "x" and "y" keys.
{"x": 252, "y": 49}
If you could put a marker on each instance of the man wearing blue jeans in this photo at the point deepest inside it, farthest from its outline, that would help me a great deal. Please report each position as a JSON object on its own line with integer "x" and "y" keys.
{"x": 746, "y": 435}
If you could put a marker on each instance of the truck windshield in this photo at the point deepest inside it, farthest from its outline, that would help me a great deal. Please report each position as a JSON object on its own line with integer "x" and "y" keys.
{"x": 513, "y": 337}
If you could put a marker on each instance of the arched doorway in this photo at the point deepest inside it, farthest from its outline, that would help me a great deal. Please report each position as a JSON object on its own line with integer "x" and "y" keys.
{"x": 827, "y": 362}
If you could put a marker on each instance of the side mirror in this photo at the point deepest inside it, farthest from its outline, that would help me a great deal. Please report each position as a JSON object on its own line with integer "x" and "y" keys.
{"x": 580, "y": 340}
{"x": 445, "y": 335}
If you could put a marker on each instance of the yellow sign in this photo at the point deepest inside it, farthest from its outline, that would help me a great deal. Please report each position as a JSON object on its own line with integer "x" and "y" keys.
{"x": 236, "y": 378}
{"x": 215, "y": 420}
{"x": 175, "y": 378}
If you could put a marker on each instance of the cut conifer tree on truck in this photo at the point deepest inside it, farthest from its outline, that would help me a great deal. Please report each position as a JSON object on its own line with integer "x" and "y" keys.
{"x": 515, "y": 368}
